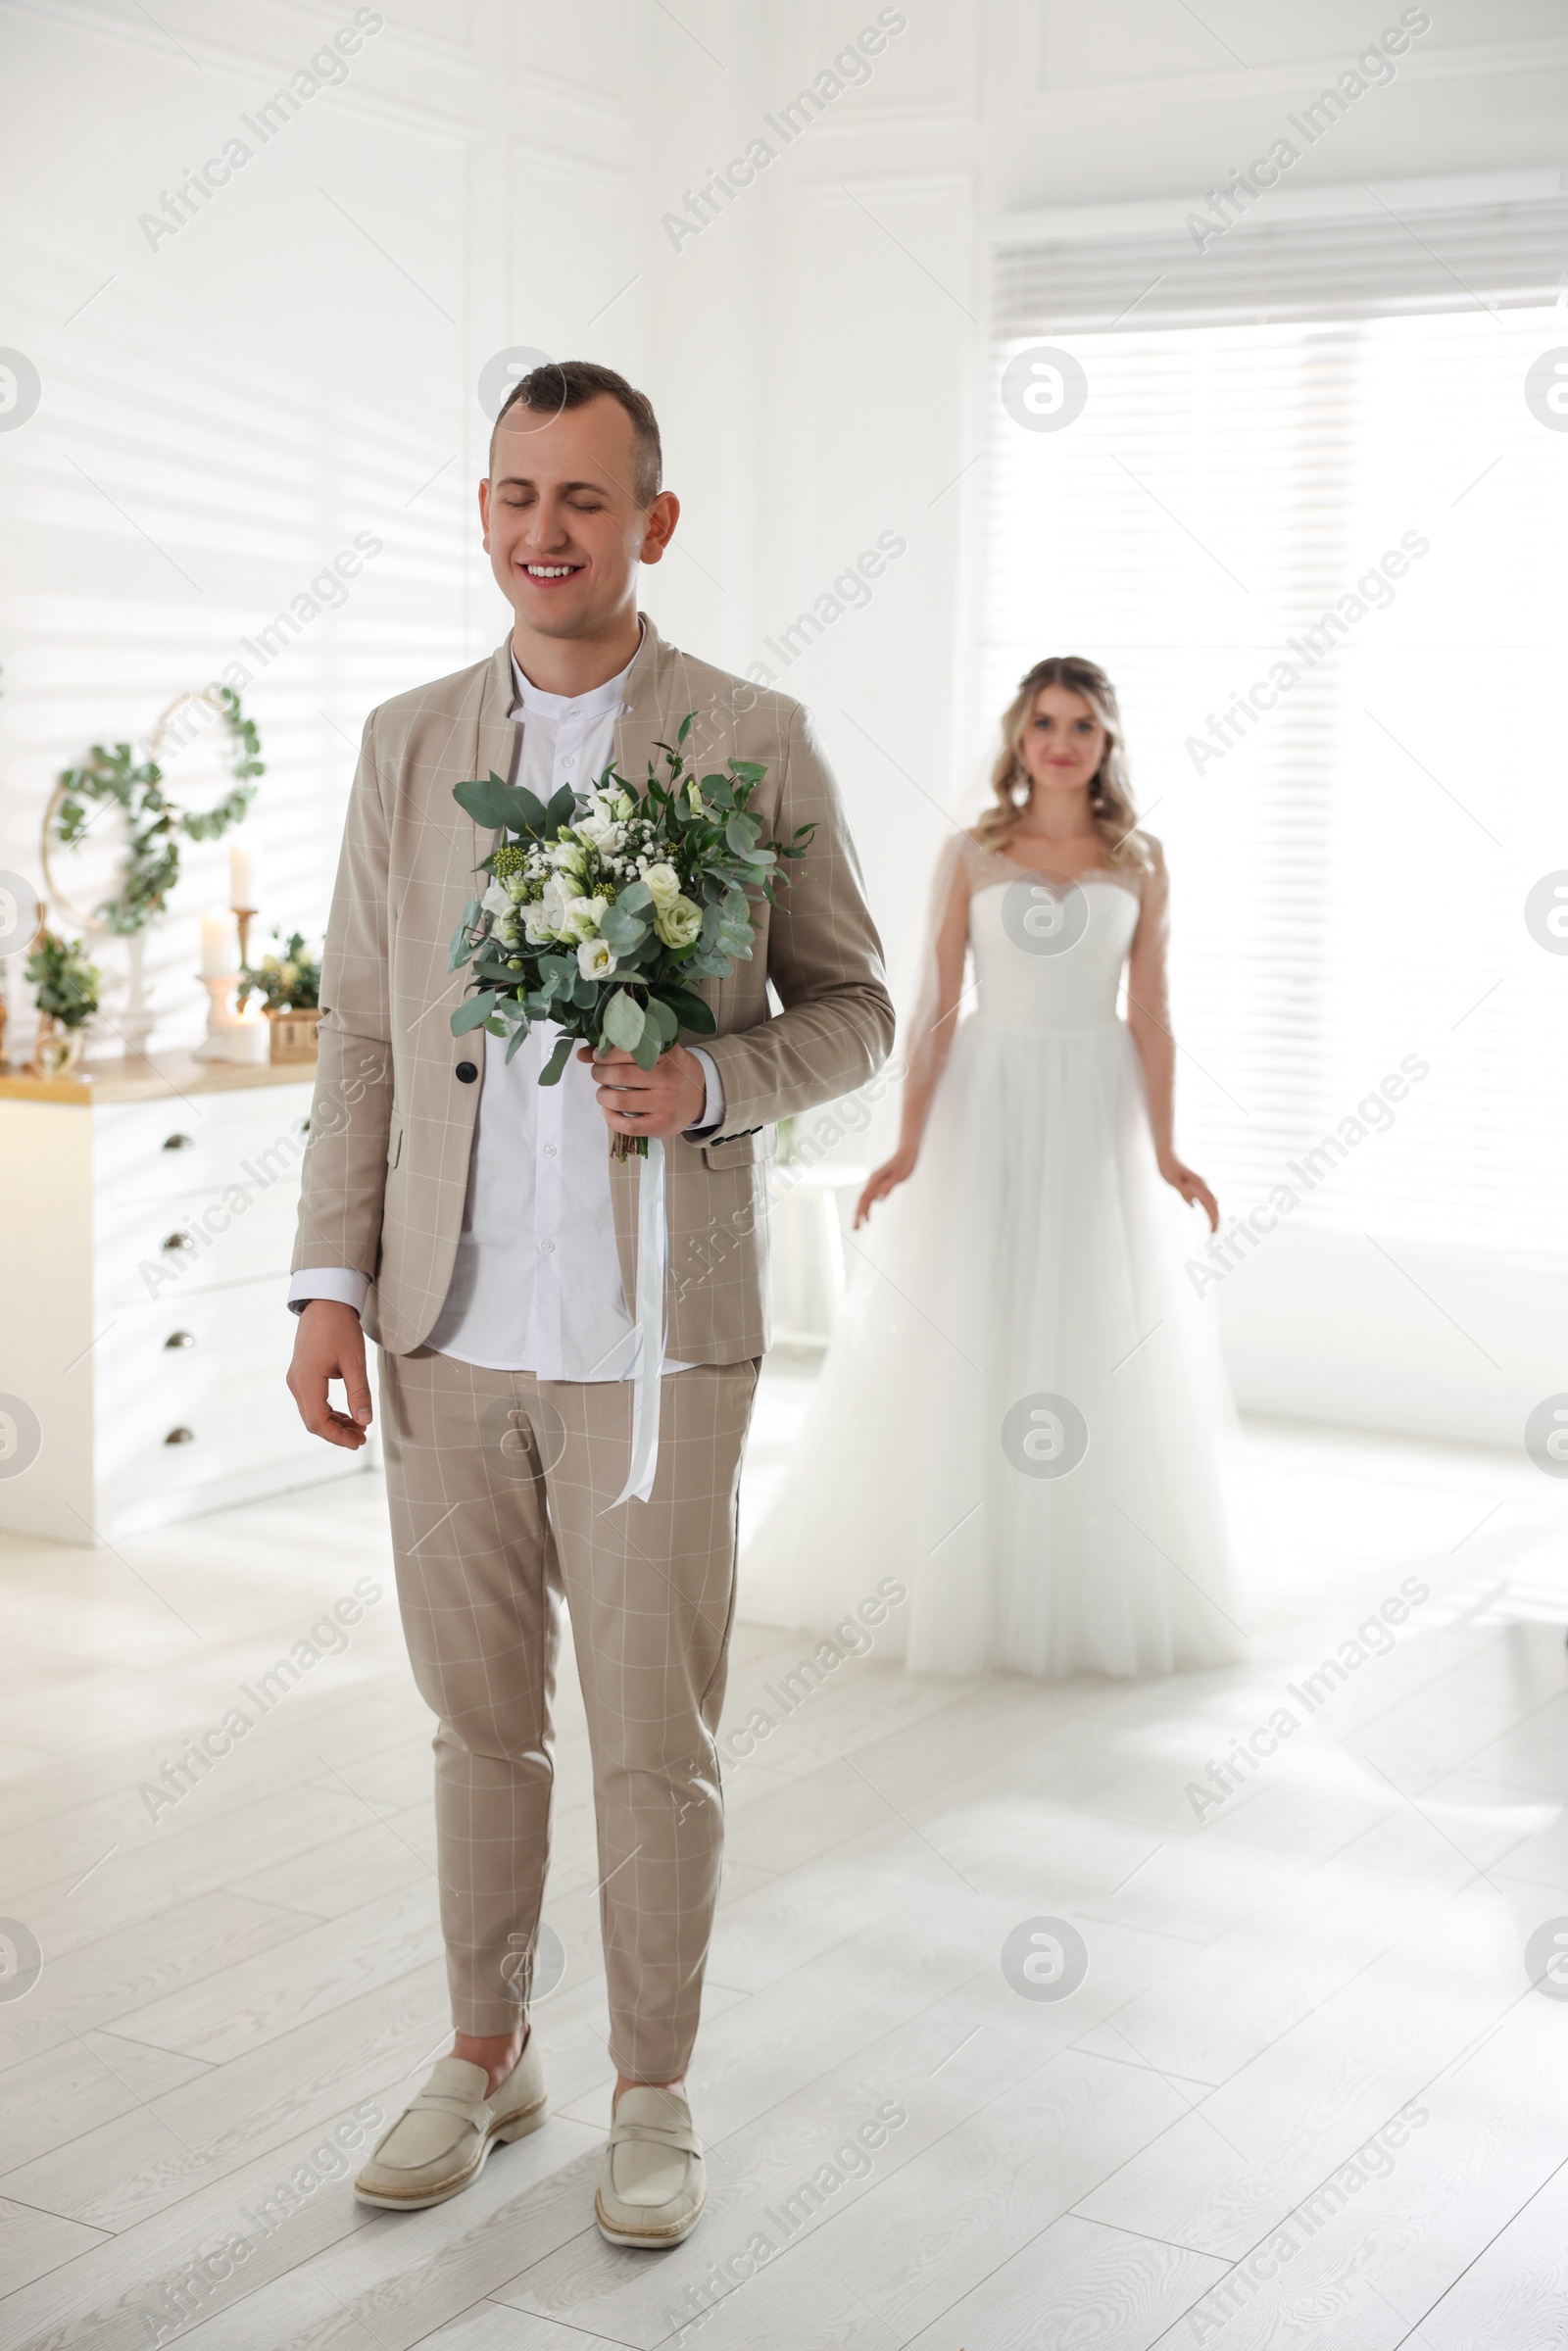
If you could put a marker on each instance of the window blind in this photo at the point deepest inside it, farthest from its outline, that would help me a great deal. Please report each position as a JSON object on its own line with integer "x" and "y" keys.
{"x": 1310, "y": 517}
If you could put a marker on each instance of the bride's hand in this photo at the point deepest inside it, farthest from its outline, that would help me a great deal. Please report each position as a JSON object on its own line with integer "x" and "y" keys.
{"x": 1192, "y": 1187}
{"x": 882, "y": 1180}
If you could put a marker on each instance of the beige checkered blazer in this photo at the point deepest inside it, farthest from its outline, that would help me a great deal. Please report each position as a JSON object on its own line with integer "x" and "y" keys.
{"x": 386, "y": 1167}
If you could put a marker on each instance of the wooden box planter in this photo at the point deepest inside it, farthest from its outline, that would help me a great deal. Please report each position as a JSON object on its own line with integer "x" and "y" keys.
{"x": 293, "y": 1035}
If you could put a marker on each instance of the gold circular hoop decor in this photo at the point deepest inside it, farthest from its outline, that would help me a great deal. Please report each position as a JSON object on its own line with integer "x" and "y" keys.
{"x": 152, "y": 860}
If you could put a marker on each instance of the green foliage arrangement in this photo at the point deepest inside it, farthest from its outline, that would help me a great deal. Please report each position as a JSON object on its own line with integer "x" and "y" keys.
{"x": 64, "y": 984}
{"x": 287, "y": 983}
{"x": 152, "y": 861}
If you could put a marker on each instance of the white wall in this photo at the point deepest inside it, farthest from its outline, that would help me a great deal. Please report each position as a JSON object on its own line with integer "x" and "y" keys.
{"x": 225, "y": 408}
{"x": 221, "y": 414}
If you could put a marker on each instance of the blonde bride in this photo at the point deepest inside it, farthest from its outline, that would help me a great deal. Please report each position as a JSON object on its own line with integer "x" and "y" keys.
{"x": 1021, "y": 1414}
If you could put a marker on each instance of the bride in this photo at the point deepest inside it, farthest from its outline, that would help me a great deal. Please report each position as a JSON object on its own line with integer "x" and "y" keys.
{"x": 1020, "y": 1413}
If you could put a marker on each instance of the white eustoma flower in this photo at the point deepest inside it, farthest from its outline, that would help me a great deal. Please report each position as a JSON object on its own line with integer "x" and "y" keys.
{"x": 535, "y": 927}
{"x": 497, "y": 900}
{"x": 679, "y": 921}
{"x": 623, "y": 805}
{"x": 596, "y": 959}
{"x": 568, "y": 856}
{"x": 600, "y": 825}
{"x": 553, "y": 904}
{"x": 665, "y": 883}
{"x": 583, "y": 916}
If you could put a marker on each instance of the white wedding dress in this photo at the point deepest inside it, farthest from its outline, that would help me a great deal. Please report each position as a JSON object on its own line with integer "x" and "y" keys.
{"x": 1021, "y": 1414}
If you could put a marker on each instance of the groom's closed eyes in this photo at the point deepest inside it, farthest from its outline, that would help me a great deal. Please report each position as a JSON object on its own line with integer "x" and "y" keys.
{"x": 586, "y": 497}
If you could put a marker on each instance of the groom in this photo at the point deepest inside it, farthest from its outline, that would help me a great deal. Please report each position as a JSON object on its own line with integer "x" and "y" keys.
{"x": 475, "y": 1226}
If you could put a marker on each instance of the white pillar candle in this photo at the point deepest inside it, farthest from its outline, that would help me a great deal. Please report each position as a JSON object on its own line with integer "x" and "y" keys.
{"x": 241, "y": 879}
{"x": 219, "y": 943}
{"x": 250, "y": 1039}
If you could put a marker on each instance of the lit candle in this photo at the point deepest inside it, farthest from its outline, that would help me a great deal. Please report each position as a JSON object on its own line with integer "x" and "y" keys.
{"x": 220, "y": 943}
{"x": 241, "y": 879}
{"x": 250, "y": 1039}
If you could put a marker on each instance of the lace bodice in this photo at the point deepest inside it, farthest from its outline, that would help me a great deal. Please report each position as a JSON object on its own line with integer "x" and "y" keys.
{"x": 989, "y": 866}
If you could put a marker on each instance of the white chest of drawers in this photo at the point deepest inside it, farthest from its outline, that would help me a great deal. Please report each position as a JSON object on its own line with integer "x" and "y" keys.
{"x": 146, "y": 1225}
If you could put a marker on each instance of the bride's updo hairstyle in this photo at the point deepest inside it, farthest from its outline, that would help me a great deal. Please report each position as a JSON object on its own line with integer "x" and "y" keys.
{"x": 1110, "y": 799}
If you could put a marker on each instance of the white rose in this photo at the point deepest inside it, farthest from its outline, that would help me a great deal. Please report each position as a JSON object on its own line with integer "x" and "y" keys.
{"x": 665, "y": 883}
{"x": 497, "y": 900}
{"x": 678, "y": 922}
{"x": 596, "y": 959}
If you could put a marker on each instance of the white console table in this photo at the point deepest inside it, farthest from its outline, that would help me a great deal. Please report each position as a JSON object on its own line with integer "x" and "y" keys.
{"x": 148, "y": 1215}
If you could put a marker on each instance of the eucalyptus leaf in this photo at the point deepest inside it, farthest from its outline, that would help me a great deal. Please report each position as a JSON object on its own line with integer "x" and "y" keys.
{"x": 491, "y": 801}
{"x": 517, "y": 1035}
{"x": 634, "y": 898}
{"x": 560, "y": 1054}
{"x": 562, "y": 809}
{"x": 664, "y": 1019}
{"x": 622, "y": 930}
{"x": 645, "y": 1053}
{"x": 474, "y": 1013}
{"x": 624, "y": 1021}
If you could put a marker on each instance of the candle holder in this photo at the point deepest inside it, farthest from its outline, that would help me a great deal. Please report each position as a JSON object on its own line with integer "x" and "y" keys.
{"x": 244, "y": 917}
{"x": 229, "y": 1038}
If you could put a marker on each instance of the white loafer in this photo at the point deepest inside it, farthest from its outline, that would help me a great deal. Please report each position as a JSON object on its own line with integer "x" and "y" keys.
{"x": 653, "y": 2186}
{"x": 438, "y": 2145}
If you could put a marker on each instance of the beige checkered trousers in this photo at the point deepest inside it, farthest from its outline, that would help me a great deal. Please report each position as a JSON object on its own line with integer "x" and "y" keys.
{"x": 500, "y": 1485}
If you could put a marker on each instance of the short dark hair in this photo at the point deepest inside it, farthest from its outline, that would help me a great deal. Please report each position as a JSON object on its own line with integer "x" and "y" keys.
{"x": 571, "y": 384}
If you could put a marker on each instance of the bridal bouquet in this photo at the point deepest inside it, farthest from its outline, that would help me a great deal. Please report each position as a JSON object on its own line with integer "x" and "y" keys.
{"x": 602, "y": 915}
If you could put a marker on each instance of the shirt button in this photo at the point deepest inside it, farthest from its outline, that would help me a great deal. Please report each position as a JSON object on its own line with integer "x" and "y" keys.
{"x": 547, "y": 1246}
{"x": 550, "y": 1151}
{"x": 568, "y": 761}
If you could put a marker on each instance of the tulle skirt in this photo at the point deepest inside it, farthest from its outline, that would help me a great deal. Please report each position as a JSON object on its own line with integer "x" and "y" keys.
{"x": 1022, "y": 1414}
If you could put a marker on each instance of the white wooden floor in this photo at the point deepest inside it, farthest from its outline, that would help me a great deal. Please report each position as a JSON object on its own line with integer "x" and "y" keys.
{"x": 1304, "y": 2094}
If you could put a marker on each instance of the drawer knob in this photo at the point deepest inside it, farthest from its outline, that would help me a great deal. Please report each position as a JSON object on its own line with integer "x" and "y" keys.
{"x": 179, "y": 1142}
{"x": 181, "y": 1339}
{"x": 174, "y": 1243}
{"x": 180, "y": 1437}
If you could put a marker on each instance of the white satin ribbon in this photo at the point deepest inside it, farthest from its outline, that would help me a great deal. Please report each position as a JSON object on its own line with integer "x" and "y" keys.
{"x": 647, "y": 1362}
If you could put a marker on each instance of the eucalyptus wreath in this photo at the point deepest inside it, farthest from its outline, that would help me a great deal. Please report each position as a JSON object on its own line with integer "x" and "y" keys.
{"x": 152, "y": 854}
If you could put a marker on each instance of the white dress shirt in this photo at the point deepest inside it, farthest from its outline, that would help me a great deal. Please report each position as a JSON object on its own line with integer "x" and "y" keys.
{"x": 536, "y": 1282}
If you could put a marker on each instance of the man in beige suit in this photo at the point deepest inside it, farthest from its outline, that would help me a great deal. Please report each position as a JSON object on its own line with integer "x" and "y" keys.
{"x": 474, "y": 1224}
